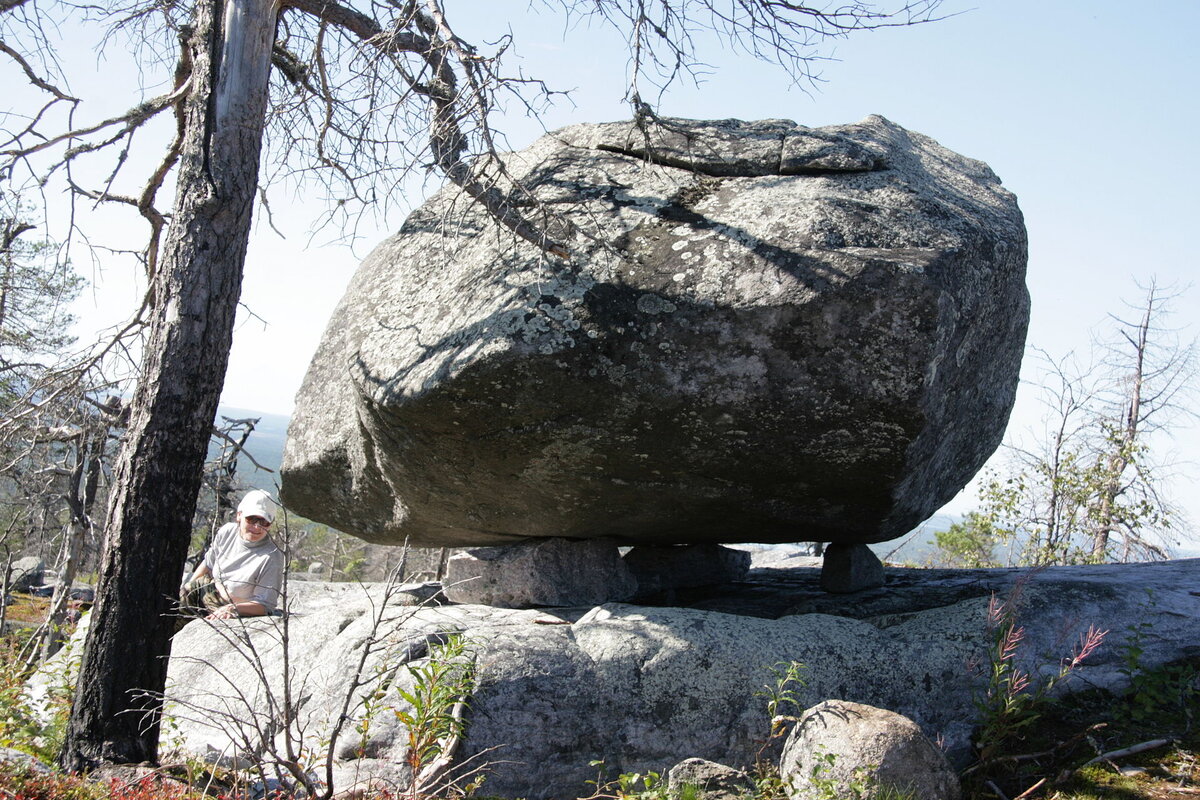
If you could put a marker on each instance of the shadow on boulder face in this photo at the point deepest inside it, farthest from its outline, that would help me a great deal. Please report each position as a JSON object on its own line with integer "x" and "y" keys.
{"x": 765, "y": 333}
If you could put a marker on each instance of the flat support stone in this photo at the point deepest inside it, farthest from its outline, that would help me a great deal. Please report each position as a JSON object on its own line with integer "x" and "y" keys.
{"x": 663, "y": 568}
{"x": 549, "y": 572}
{"x": 850, "y": 568}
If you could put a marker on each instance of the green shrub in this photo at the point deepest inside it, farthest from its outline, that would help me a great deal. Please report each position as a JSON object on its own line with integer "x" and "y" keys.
{"x": 440, "y": 683}
{"x": 1161, "y": 697}
{"x": 36, "y": 731}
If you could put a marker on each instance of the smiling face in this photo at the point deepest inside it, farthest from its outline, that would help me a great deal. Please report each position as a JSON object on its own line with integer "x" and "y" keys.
{"x": 252, "y": 528}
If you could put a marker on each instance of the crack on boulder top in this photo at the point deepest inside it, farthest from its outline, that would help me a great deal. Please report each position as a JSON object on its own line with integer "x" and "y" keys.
{"x": 736, "y": 148}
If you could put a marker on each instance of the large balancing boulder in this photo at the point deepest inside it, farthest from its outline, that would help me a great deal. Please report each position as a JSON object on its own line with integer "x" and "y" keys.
{"x": 764, "y": 332}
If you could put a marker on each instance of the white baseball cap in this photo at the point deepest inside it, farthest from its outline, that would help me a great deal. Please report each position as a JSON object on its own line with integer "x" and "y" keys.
{"x": 257, "y": 503}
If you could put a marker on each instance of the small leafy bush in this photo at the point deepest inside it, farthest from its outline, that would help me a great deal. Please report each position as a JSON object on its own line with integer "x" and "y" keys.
{"x": 781, "y": 695}
{"x": 20, "y": 782}
{"x": 36, "y": 731}
{"x": 1162, "y": 697}
{"x": 440, "y": 683}
{"x": 647, "y": 785}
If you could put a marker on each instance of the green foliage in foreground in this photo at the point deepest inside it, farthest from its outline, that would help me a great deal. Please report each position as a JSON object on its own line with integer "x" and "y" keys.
{"x": 1166, "y": 696}
{"x": 1076, "y": 728}
{"x": 23, "y": 726}
{"x": 442, "y": 685}
{"x": 1012, "y": 699}
{"x": 23, "y": 783}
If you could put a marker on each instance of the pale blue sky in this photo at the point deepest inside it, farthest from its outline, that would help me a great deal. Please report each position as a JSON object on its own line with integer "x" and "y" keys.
{"x": 1086, "y": 110}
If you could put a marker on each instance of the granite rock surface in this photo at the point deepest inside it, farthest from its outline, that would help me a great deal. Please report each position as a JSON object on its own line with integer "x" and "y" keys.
{"x": 644, "y": 687}
{"x": 764, "y": 332}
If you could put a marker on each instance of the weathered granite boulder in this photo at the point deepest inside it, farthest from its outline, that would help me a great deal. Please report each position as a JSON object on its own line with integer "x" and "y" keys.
{"x": 837, "y": 746}
{"x": 643, "y": 687}
{"x": 26, "y": 573}
{"x": 764, "y": 332}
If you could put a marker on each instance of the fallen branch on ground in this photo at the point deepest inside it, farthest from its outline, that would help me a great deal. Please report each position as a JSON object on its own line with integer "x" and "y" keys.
{"x": 1132, "y": 750}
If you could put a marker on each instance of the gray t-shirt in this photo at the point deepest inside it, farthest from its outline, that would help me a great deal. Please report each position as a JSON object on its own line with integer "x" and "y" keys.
{"x": 247, "y": 570}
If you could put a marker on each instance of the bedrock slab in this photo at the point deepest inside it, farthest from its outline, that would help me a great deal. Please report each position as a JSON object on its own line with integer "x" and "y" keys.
{"x": 645, "y": 687}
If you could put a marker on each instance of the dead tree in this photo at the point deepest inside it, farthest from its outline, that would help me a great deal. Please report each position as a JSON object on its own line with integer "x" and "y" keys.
{"x": 83, "y": 490}
{"x": 1150, "y": 374}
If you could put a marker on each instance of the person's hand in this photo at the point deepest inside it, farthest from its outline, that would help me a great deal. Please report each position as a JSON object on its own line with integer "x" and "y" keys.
{"x": 224, "y": 612}
{"x": 184, "y": 588}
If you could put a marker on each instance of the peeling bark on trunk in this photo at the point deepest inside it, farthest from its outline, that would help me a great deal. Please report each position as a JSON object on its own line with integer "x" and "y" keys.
{"x": 117, "y": 707}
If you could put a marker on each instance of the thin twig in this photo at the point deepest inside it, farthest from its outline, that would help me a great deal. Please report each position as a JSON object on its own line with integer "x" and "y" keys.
{"x": 1030, "y": 790}
{"x": 1129, "y": 751}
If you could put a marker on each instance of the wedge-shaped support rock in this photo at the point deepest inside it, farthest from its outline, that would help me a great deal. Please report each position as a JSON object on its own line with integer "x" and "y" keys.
{"x": 553, "y": 572}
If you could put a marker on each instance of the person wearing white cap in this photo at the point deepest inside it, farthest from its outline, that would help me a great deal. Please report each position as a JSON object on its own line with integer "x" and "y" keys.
{"x": 243, "y": 569}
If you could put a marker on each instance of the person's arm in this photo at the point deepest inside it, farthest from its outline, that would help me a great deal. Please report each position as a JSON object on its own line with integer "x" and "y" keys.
{"x": 245, "y": 608}
{"x": 201, "y": 572}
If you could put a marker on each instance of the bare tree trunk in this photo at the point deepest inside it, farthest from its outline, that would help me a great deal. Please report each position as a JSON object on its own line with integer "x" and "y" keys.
{"x": 117, "y": 708}
{"x": 5, "y": 575}
{"x": 1124, "y": 440}
{"x": 85, "y": 485}
{"x": 1055, "y": 550}
{"x": 52, "y": 636}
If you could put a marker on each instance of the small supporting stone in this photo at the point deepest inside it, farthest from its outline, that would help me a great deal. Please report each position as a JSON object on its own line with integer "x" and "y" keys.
{"x": 549, "y": 572}
{"x": 664, "y": 567}
{"x": 850, "y": 568}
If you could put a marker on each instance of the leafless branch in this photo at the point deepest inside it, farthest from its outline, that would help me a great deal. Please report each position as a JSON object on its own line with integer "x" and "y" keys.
{"x": 130, "y": 120}
{"x": 239, "y": 449}
{"x": 30, "y": 73}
